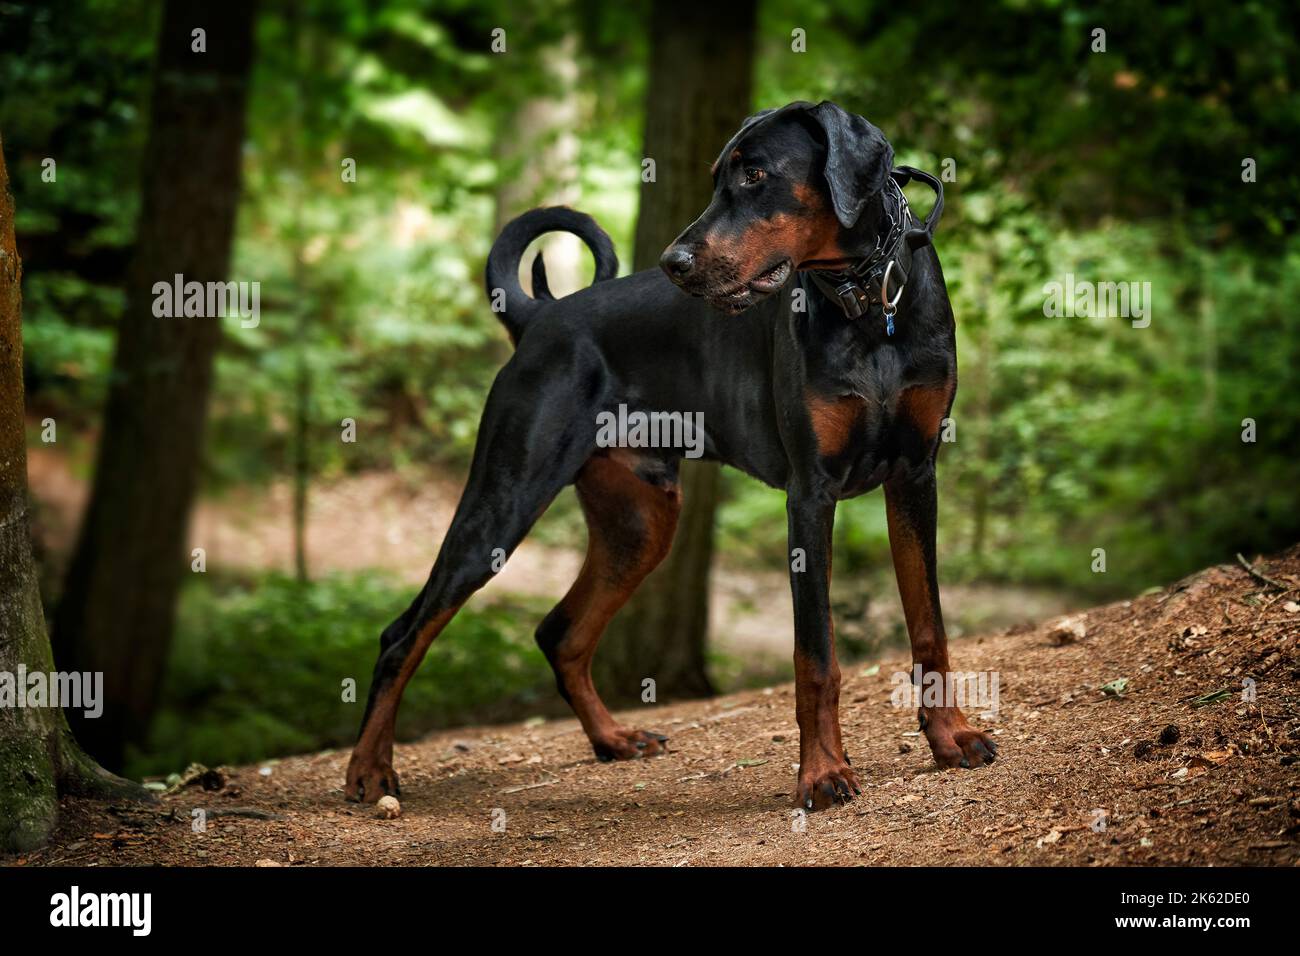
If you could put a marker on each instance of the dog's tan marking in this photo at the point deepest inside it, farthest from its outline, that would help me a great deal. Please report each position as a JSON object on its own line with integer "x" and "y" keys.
{"x": 833, "y": 420}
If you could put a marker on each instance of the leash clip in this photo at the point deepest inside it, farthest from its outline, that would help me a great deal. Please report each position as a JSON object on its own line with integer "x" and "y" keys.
{"x": 888, "y": 306}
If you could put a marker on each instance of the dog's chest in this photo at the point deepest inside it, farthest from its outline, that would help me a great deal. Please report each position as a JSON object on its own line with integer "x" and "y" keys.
{"x": 857, "y": 439}
{"x": 860, "y": 420}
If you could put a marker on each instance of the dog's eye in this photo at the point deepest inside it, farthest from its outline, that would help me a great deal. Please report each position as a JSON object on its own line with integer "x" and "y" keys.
{"x": 753, "y": 175}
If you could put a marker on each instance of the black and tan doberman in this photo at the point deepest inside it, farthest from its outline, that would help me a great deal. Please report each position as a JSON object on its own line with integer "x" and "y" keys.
{"x": 827, "y": 387}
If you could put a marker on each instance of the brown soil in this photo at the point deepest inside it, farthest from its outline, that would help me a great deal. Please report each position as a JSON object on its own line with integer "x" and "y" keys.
{"x": 1225, "y": 791}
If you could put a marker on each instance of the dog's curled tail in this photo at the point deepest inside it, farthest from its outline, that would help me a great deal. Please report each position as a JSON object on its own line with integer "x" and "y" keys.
{"x": 514, "y": 306}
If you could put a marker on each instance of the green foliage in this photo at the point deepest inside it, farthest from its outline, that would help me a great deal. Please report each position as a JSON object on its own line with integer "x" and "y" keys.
{"x": 264, "y": 662}
{"x": 73, "y": 82}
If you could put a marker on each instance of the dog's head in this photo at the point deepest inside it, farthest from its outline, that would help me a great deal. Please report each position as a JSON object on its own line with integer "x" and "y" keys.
{"x": 788, "y": 188}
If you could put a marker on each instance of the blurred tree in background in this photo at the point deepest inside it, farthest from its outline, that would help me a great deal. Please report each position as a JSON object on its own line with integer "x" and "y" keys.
{"x": 39, "y": 759}
{"x": 698, "y": 91}
{"x": 1072, "y": 433}
{"x": 116, "y": 612}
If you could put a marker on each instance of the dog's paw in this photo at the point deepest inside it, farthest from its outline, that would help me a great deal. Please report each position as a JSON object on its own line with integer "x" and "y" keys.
{"x": 825, "y": 784}
{"x": 369, "y": 779}
{"x": 629, "y": 745}
{"x": 953, "y": 741}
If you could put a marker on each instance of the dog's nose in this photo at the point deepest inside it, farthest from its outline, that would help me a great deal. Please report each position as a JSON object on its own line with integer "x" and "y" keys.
{"x": 677, "y": 261}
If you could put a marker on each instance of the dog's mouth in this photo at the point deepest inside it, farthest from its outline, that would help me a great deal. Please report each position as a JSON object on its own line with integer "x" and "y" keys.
{"x": 741, "y": 297}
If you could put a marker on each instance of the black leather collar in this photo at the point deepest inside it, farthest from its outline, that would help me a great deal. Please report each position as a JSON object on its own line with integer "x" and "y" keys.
{"x": 877, "y": 280}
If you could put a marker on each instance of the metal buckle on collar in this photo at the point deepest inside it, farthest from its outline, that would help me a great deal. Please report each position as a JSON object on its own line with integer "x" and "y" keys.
{"x": 852, "y": 298}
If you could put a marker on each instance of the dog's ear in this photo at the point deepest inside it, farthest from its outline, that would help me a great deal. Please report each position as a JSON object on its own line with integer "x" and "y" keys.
{"x": 858, "y": 159}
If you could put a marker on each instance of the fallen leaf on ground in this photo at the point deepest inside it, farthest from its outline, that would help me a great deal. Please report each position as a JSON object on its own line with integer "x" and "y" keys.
{"x": 1116, "y": 687}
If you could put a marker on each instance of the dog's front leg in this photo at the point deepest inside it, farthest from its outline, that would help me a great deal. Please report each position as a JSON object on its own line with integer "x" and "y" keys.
{"x": 825, "y": 776}
{"x": 911, "y": 505}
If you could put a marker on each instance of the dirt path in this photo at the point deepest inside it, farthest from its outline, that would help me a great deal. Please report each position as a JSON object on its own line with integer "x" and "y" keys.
{"x": 1220, "y": 787}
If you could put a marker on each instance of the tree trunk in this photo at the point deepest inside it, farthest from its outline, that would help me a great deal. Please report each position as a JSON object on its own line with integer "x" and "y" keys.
{"x": 302, "y": 401}
{"x": 116, "y": 614}
{"x": 976, "y": 421}
{"x": 698, "y": 91}
{"x": 1209, "y": 315}
{"x": 304, "y": 306}
{"x": 38, "y": 757}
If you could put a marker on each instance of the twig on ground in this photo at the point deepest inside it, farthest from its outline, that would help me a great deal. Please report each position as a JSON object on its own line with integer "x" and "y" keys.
{"x": 1260, "y": 575}
{"x": 531, "y": 786}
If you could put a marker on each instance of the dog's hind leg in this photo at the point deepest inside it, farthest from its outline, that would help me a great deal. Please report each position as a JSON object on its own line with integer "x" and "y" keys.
{"x": 536, "y": 432}
{"x": 630, "y": 526}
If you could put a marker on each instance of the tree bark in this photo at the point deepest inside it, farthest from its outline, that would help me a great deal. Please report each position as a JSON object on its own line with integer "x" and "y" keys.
{"x": 698, "y": 91}
{"x": 38, "y": 757}
{"x": 116, "y": 614}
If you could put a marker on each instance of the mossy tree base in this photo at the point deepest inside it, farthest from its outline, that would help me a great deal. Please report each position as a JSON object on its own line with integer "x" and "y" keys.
{"x": 39, "y": 759}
